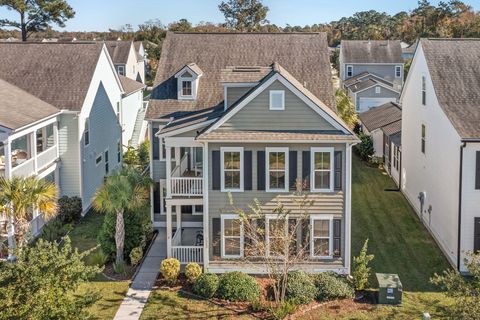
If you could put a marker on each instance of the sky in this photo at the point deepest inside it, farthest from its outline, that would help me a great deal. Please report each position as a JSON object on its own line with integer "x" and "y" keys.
{"x": 101, "y": 15}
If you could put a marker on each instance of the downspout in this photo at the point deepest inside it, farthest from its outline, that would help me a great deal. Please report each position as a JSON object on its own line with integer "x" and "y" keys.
{"x": 462, "y": 147}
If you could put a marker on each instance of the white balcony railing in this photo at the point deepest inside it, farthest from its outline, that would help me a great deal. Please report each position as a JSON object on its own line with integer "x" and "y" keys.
{"x": 36, "y": 225}
{"x": 186, "y": 186}
{"x": 188, "y": 254}
{"x": 47, "y": 157}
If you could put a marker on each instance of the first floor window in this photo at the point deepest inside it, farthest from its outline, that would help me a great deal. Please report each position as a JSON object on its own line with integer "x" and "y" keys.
{"x": 232, "y": 169}
{"x": 322, "y": 169}
{"x": 276, "y": 233}
{"x": 321, "y": 239}
{"x": 277, "y": 164}
{"x": 232, "y": 236}
{"x": 396, "y": 157}
{"x": 107, "y": 168}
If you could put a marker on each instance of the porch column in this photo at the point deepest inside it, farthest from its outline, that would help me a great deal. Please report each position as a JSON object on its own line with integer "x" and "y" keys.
{"x": 168, "y": 165}
{"x": 55, "y": 137}
{"x": 348, "y": 203}
{"x": 33, "y": 150}
{"x": 169, "y": 231}
{"x": 206, "y": 232}
{"x": 177, "y": 156}
{"x": 178, "y": 213}
{"x": 8, "y": 159}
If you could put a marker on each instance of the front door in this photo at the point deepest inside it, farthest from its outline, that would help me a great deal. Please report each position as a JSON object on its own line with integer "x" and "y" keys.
{"x": 476, "y": 236}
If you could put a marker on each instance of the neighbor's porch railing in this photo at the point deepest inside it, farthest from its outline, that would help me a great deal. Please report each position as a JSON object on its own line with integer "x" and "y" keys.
{"x": 186, "y": 186}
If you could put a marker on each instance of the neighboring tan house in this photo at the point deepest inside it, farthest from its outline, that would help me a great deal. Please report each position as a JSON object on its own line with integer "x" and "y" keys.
{"x": 127, "y": 59}
{"x": 384, "y": 125}
{"x": 371, "y": 71}
{"x": 441, "y": 143}
{"x": 79, "y": 80}
{"x": 249, "y": 114}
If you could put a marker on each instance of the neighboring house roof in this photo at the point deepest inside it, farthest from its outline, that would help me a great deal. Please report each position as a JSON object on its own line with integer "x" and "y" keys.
{"x": 371, "y": 51}
{"x": 304, "y": 55}
{"x": 410, "y": 49}
{"x": 19, "y": 108}
{"x": 381, "y": 116}
{"x": 119, "y": 51}
{"x": 393, "y": 128}
{"x": 363, "y": 76}
{"x": 57, "y": 73}
{"x": 455, "y": 71}
{"x": 130, "y": 86}
{"x": 369, "y": 83}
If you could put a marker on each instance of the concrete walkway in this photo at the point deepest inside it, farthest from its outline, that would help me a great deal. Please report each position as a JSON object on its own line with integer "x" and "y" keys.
{"x": 137, "y": 296}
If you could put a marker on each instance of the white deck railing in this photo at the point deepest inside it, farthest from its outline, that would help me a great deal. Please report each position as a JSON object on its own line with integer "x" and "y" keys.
{"x": 36, "y": 225}
{"x": 188, "y": 254}
{"x": 186, "y": 186}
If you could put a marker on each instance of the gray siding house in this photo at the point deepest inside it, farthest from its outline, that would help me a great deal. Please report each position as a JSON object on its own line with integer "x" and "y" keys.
{"x": 252, "y": 123}
{"x": 371, "y": 71}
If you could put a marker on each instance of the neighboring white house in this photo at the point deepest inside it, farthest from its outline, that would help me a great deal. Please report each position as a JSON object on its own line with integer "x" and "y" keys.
{"x": 441, "y": 143}
{"x": 127, "y": 59}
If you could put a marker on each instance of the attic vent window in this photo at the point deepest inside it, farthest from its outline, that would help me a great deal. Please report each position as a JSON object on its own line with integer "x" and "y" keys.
{"x": 277, "y": 100}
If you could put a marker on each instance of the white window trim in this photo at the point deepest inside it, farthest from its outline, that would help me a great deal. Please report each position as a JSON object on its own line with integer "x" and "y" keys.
{"x": 347, "y": 72}
{"x": 331, "y": 150}
{"x": 222, "y": 231}
{"x": 268, "y": 150}
{"x": 319, "y": 217}
{"x": 378, "y": 89}
{"x": 399, "y": 74}
{"x": 163, "y": 186}
{"x": 222, "y": 169}
{"x": 269, "y": 217}
{"x": 193, "y": 79}
{"x": 87, "y": 120}
{"x": 423, "y": 139}
{"x": 423, "y": 89}
{"x": 282, "y": 93}
{"x": 181, "y": 81}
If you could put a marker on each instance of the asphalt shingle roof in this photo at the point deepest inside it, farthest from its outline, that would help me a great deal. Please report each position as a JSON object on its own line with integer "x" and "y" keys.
{"x": 455, "y": 71}
{"x": 371, "y": 51}
{"x": 130, "y": 86}
{"x": 304, "y": 55}
{"x": 381, "y": 116}
{"x": 57, "y": 73}
{"x": 274, "y": 135}
{"x": 119, "y": 51}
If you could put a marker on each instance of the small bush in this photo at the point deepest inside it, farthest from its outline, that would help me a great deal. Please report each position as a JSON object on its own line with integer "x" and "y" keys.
{"x": 119, "y": 268}
{"x": 192, "y": 271}
{"x": 365, "y": 147}
{"x": 69, "y": 209}
{"x": 300, "y": 288}
{"x": 97, "y": 258}
{"x": 330, "y": 286}
{"x": 283, "y": 310}
{"x": 238, "y": 286}
{"x": 360, "y": 268}
{"x": 136, "y": 255}
{"x": 206, "y": 285}
{"x": 170, "y": 269}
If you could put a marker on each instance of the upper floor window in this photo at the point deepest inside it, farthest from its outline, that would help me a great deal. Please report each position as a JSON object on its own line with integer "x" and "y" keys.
{"x": 86, "y": 132}
{"x": 187, "y": 82}
{"x": 186, "y": 88}
{"x": 322, "y": 175}
{"x": 232, "y": 236}
{"x": 424, "y": 90}
{"x": 277, "y": 169}
{"x": 119, "y": 151}
{"x": 107, "y": 164}
{"x": 277, "y": 100}
{"x": 378, "y": 90}
{"x": 121, "y": 70}
{"x": 232, "y": 169}
{"x": 398, "y": 71}
{"x": 349, "y": 71}
{"x": 321, "y": 240}
{"x": 423, "y": 141}
{"x": 477, "y": 170}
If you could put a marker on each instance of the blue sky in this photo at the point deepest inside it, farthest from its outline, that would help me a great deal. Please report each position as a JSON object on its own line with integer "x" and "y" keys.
{"x": 100, "y": 15}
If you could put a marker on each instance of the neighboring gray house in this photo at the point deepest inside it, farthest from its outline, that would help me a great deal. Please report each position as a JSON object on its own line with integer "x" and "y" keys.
{"x": 127, "y": 58}
{"x": 371, "y": 71}
{"x": 249, "y": 114}
{"x": 79, "y": 80}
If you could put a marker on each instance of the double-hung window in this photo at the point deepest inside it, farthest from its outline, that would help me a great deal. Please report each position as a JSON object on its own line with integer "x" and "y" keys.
{"x": 276, "y": 231}
{"x": 424, "y": 90}
{"x": 423, "y": 140}
{"x": 398, "y": 71}
{"x": 349, "y": 71}
{"x": 321, "y": 242}
{"x": 232, "y": 236}
{"x": 232, "y": 168}
{"x": 277, "y": 169}
{"x": 322, "y": 175}
{"x": 107, "y": 166}
{"x": 187, "y": 88}
{"x": 86, "y": 133}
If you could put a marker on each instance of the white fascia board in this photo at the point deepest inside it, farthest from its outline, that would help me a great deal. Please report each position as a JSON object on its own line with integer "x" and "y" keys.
{"x": 353, "y": 140}
{"x": 378, "y": 84}
{"x": 184, "y": 129}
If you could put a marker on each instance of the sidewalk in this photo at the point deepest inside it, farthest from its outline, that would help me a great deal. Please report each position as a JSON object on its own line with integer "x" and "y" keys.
{"x": 137, "y": 296}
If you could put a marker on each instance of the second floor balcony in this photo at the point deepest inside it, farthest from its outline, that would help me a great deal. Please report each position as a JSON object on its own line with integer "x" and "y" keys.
{"x": 186, "y": 171}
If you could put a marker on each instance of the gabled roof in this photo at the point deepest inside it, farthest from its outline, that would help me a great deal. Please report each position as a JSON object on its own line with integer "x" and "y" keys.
{"x": 455, "y": 71}
{"x": 363, "y": 76}
{"x": 393, "y": 128}
{"x": 381, "y": 116}
{"x": 130, "y": 86}
{"x": 119, "y": 51}
{"x": 305, "y": 55}
{"x": 57, "y": 73}
{"x": 239, "y": 74}
{"x": 369, "y": 82}
{"x": 193, "y": 67}
{"x": 19, "y": 108}
{"x": 371, "y": 51}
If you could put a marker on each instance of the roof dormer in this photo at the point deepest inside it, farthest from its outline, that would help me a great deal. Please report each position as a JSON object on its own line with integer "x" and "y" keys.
{"x": 187, "y": 82}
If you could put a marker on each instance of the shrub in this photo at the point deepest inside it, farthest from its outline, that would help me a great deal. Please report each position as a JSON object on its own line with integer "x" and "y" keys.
{"x": 365, "y": 147}
{"x": 54, "y": 230}
{"x": 330, "y": 286}
{"x": 300, "y": 288}
{"x": 119, "y": 268}
{"x": 360, "y": 268}
{"x": 69, "y": 209}
{"x": 136, "y": 255}
{"x": 206, "y": 285}
{"x": 238, "y": 286}
{"x": 282, "y": 310}
{"x": 170, "y": 269}
{"x": 192, "y": 271}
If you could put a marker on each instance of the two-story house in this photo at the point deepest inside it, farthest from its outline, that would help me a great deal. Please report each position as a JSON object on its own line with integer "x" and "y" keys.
{"x": 371, "y": 71}
{"x": 441, "y": 143}
{"x": 248, "y": 114}
{"x": 71, "y": 123}
{"x": 127, "y": 59}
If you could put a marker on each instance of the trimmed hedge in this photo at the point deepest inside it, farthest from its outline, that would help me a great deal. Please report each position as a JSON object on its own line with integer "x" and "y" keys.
{"x": 331, "y": 286}
{"x": 238, "y": 286}
{"x": 206, "y": 285}
{"x": 300, "y": 288}
{"x": 192, "y": 271}
{"x": 170, "y": 269}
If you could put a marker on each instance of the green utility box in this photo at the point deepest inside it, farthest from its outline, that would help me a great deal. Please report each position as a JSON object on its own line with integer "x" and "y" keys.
{"x": 389, "y": 289}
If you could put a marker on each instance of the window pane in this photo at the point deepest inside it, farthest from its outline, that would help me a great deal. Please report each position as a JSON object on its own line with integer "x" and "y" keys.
{"x": 232, "y": 160}
{"x": 322, "y": 179}
{"x": 276, "y": 227}
{"x": 321, "y": 247}
{"x": 232, "y": 179}
{"x": 231, "y": 227}
{"x": 276, "y": 246}
{"x": 321, "y": 228}
{"x": 322, "y": 160}
{"x": 277, "y": 180}
{"x": 232, "y": 247}
{"x": 277, "y": 160}
{"x": 186, "y": 88}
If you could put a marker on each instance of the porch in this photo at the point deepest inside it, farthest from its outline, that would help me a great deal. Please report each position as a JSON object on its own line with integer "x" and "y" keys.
{"x": 187, "y": 245}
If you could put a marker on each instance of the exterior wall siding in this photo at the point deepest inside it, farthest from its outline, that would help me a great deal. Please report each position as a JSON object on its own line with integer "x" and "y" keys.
{"x": 235, "y": 93}
{"x": 370, "y": 93}
{"x": 69, "y": 151}
{"x": 386, "y": 71}
{"x": 130, "y": 106}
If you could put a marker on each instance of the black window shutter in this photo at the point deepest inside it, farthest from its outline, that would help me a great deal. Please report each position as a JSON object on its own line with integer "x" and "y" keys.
{"x": 215, "y": 170}
{"x": 216, "y": 237}
{"x": 338, "y": 170}
{"x": 476, "y": 235}
{"x": 156, "y": 198}
{"x": 292, "y": 170}
{"x": 477, "y": 172}
{"x": 306, "y": 169}
{"x": 260, "y": 170}
{"x": 305, "y": 225}
{"x": 247, "y": 170}
{"x": 337, "y": 237}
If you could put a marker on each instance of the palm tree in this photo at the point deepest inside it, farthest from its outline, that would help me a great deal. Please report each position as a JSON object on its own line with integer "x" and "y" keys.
{"x": 18, "y": 196}
{"x": 124, "y": 190}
